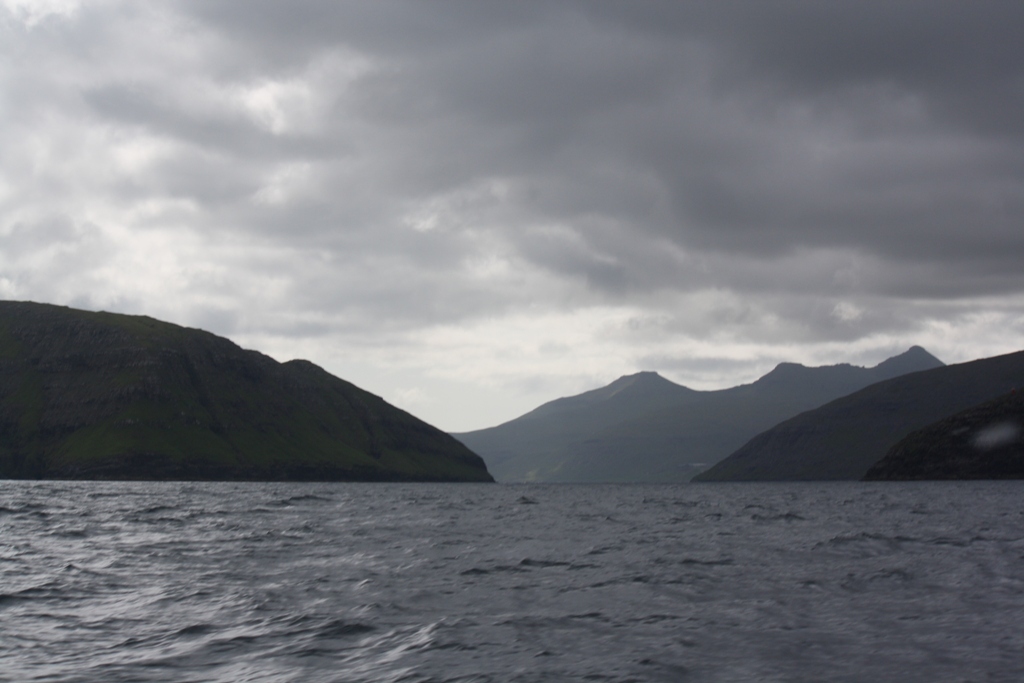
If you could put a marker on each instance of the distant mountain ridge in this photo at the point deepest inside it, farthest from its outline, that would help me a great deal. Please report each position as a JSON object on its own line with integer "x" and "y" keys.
{"x": 844, "y": 438}
{"x": 88, "y": 395}
{"x": 644, "y": 428}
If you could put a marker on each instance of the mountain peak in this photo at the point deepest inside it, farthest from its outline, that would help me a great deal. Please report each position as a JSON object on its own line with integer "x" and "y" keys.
{"x": 790, "y": 377}
{"x": 786, "y": 367}
{"x": 643, "y": 382}
{"x": 913, "y": 359}
{"x": 644, "y": 376}
{"x": 636, "y": 389}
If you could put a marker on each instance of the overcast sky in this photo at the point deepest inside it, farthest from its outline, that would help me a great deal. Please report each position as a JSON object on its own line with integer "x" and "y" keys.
{"x": 473, "y": 207}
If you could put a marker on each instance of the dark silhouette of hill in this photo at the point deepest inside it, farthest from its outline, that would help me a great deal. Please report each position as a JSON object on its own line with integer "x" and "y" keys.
{"x": 644, "y": 428}
{"x": 983, "y": 442}
{"x": 104, "y": 396}
{"x": 844, "y": 438}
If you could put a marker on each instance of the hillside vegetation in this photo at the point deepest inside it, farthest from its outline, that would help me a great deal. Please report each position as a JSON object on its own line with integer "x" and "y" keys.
{"x": 88, "y": 395}
{"x": 983, "y": 442}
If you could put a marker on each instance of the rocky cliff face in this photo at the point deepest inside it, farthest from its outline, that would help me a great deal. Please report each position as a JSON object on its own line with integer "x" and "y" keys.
{"x": 984, "y": 442}
{"x": 106, "y": 396}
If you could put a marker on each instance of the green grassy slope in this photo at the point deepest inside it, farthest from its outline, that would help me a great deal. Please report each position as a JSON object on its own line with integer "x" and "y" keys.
{"x": 844, "y": 438}
{"x": 106, "y": 396}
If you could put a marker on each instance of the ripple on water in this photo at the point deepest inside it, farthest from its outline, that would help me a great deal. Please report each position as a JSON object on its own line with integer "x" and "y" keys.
{"x": 120, "y": 581}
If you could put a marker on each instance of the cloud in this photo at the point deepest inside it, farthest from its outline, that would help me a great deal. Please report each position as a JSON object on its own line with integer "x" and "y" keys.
{"x": 414, "y": 184}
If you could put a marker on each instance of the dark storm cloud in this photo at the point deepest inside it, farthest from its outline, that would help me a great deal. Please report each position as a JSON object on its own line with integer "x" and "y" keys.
{"x": 892, "y": 129}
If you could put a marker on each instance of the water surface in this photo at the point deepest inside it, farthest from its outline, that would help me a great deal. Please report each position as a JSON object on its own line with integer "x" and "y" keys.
{"x": 463, "y": 582}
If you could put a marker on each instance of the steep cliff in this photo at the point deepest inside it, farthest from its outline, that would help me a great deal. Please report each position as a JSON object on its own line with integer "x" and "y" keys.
{"x": 88, "y": 395}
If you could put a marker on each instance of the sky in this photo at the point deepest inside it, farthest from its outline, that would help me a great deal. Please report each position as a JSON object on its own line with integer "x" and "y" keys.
{"x": 471, "y": 208}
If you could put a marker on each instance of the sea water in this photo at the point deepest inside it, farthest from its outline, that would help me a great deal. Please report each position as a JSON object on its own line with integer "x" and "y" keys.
{"x": 253, "y": 582}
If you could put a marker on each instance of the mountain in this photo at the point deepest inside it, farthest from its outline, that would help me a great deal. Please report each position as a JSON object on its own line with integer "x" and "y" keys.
{"x": 104, "y": 396}
{"x": 644, "y": 428}
{"x": 983, "y": 442}
{"x": 844, "y": 438}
